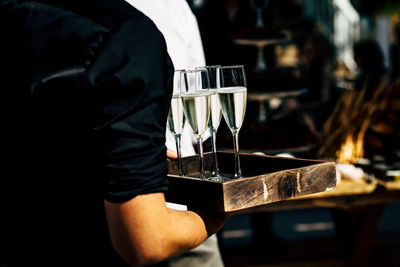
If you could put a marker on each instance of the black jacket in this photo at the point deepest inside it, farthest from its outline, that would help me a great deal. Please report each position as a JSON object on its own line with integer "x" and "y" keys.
{"x": 85, "y": 91}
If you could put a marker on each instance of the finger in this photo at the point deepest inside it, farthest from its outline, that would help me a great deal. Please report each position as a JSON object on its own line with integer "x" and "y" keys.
{"x": 171, "y": 154}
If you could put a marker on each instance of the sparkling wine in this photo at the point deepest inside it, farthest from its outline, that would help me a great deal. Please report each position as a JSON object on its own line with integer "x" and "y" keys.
{"x": 233, "y": 104}
{"x": 176, "y": 118}
{"x": 216, "y": 113}
{"x": 197, "y": 111}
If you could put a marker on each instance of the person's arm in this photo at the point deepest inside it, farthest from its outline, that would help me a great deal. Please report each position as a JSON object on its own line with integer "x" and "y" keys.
{"x": 144, "y": 231}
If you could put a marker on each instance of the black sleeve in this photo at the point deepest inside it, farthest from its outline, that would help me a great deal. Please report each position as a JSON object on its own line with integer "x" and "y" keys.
{"x": 132, "y": 78}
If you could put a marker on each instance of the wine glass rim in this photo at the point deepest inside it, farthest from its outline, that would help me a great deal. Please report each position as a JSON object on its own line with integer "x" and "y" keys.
{"x": 193, "y": 71}
{"x": 232, "y": 66}
{"x": 209, "y": 66}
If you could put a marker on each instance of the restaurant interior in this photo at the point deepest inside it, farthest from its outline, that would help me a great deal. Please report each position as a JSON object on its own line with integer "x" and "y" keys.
{"x": 323, "y": 83}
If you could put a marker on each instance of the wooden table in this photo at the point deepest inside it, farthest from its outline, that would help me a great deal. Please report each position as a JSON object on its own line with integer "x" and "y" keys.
{"x": 356, "y": 209}
{"x": 347, "y": 195}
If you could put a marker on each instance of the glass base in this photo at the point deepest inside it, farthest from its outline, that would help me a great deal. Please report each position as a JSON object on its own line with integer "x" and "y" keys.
{"x": 216, "y": 178}
{"x": 220, "y": 178}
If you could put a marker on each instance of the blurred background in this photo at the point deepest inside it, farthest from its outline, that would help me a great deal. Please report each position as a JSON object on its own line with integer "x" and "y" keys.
{"x": 299, "y": 55}
{"x": 323, "y": 83}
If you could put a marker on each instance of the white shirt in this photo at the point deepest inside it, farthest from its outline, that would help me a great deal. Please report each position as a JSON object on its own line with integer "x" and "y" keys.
{"x": 176, "y": 21}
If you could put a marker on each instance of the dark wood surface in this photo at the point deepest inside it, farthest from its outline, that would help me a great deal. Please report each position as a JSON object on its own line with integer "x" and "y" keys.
{"x": 356, "y": 208}
{"x": 267, "y": 179}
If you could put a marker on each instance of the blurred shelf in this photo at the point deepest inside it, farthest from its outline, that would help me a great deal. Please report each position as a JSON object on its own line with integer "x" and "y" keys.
{"x": 265, "y": 96}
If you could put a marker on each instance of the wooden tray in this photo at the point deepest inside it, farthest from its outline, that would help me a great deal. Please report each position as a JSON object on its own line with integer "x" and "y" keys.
{"x": 266, "y": 179}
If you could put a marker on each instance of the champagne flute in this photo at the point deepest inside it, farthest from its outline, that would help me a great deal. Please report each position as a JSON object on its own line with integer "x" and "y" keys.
{"x": 176, "y": 119}
{"x": 233, "y": 98}
{"x": 259, "y": 6}
{"x": 196, "y": 106}
{"x": 215, "y": 115}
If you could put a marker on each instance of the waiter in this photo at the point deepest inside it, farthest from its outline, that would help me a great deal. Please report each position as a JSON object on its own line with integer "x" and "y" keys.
{"x": 87, "y": 87}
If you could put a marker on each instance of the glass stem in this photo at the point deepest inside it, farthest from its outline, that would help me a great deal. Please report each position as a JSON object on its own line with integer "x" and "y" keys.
{"x": 238, "y": 171}
{"x": 260, "y": 22}
{"x": 261, "y": 64}
{"x": 200, "y": 147}
{"x": 214, "y": 151}
{"x": 178, "y": 151}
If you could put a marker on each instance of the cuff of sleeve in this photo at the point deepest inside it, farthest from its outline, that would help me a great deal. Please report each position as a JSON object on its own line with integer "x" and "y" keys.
{"x": 133, "y": 175}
